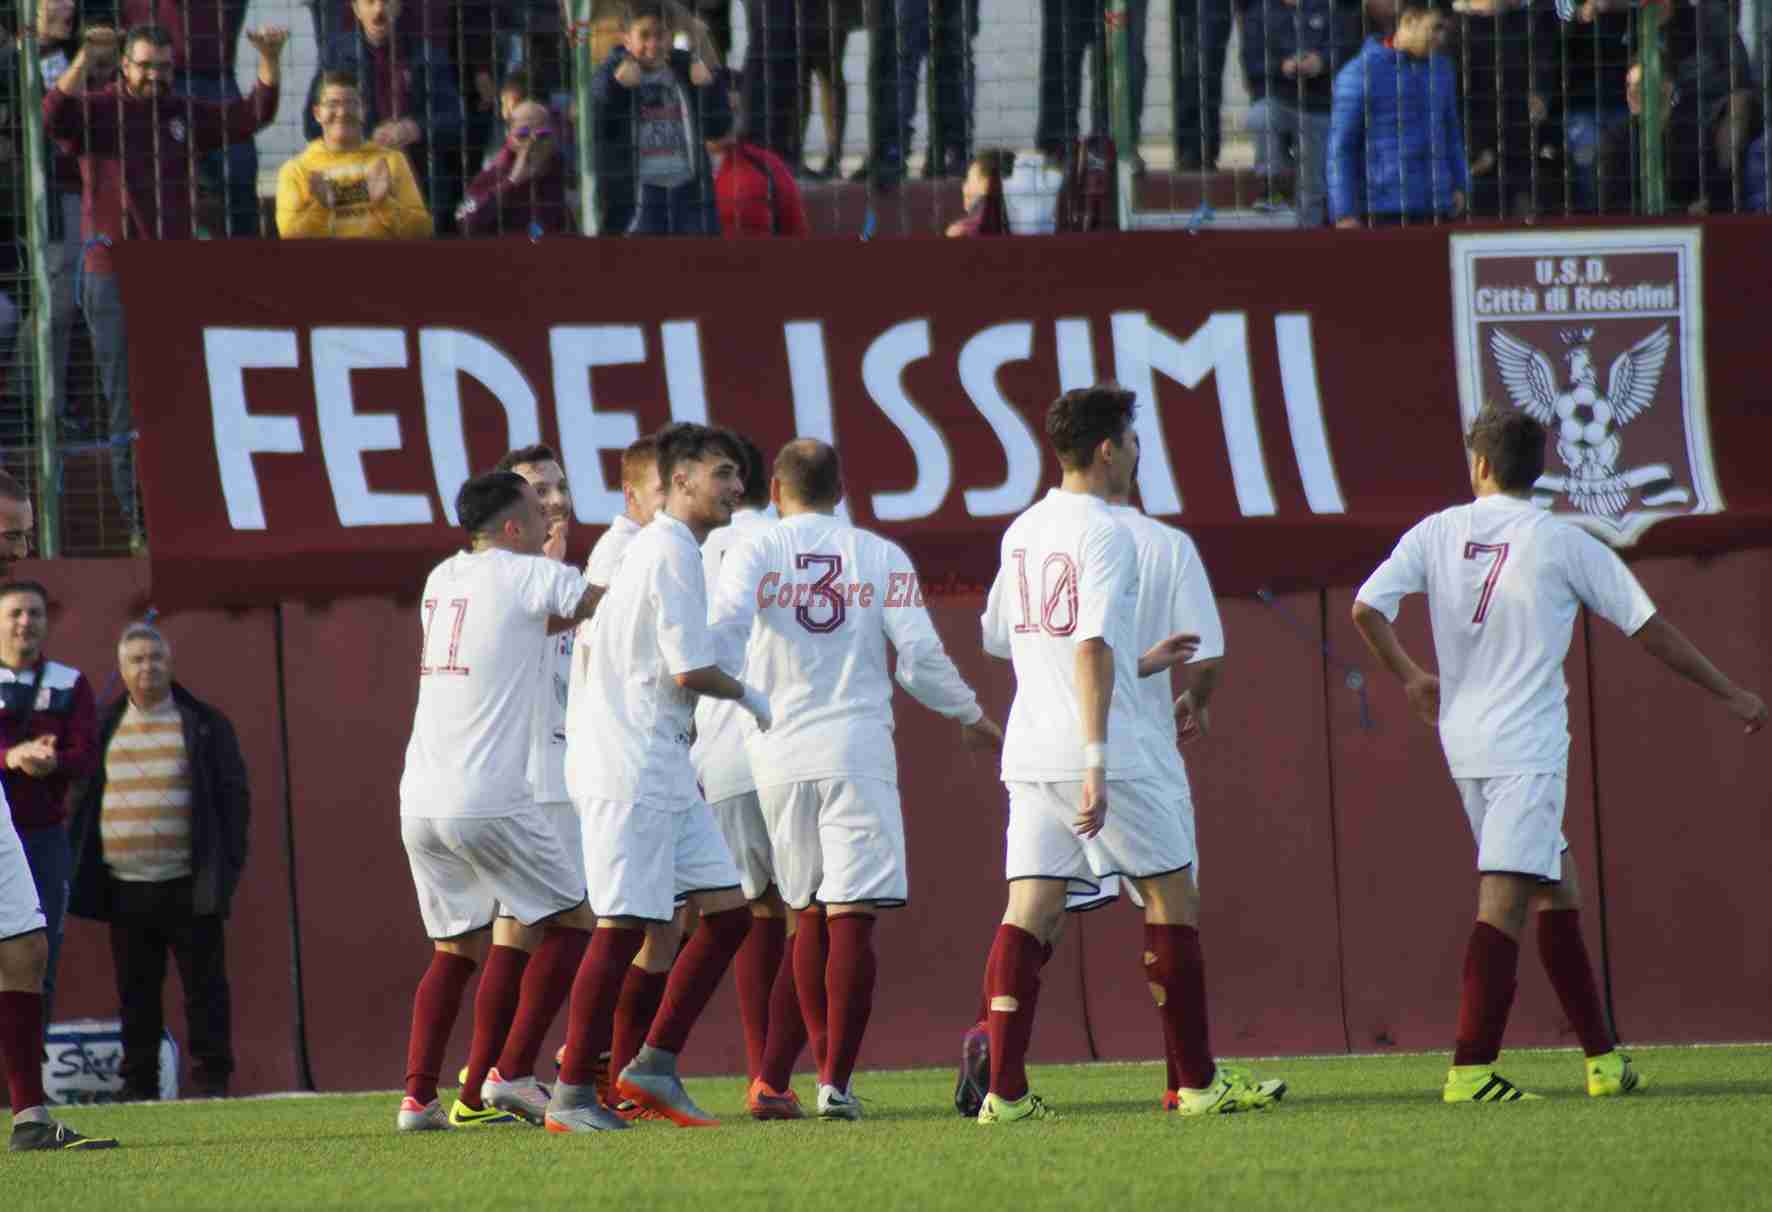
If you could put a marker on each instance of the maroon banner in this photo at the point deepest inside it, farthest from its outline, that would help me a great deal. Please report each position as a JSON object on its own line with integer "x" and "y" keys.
{"x": 308, "y": 411}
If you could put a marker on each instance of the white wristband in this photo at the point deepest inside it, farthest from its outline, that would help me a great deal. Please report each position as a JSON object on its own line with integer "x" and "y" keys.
{"x": 1095, "y": 755}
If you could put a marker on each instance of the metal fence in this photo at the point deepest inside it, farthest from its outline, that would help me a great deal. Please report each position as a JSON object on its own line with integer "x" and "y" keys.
{"x": 516, "y": 118}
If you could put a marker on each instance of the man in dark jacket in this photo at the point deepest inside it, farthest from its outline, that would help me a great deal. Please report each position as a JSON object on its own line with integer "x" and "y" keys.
{"x": 410, "y": 102}
{"x": 1291, "y": 52}
{"x": 161, "y": 831}
{"x": 654, "y": 110}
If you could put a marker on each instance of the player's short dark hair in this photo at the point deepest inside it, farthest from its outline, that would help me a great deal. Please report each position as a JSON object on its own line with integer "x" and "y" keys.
{"x": 1080, "y": 420}
{"x": 541, "y": 452}
{"x": 155, "y": 35}
{"x": 811, "y": 472}
{"x": 639, "y": 10}
{"x": 1513, "y": 442}
{"x": 12, "y": 489}
{"x": 754, "y": 470}
{"x": 638, "y": 458}
{"x": 337, "y": 79}
{"x": 24, "y": 585}
{"x": 687, "y": 442}
{"x": 485, "y": 498}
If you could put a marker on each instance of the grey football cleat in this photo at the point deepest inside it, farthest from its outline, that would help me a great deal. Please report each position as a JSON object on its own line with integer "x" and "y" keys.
{"x": 574, "y": 1109}
{"x": 422, "y": 1117}
{"x": 837, "y": 1104}
{"x": 662, "y": 1091}
{"x": 524, "y": 1097}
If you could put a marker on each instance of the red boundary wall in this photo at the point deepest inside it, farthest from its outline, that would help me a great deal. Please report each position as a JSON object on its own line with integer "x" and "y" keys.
{"x": 1336, "y": 868}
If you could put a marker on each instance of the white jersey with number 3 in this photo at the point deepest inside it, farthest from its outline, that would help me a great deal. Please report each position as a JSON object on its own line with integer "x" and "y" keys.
{"x": 1504, "y": 580}
{"x": 482, "y": 619}
{"x": 1069, "y": 573}
{"x": 814, "y": 601}
{"x": 1174, "y": 595}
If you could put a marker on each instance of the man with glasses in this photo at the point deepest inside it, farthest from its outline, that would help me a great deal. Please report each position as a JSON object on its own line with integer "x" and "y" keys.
{"x": 343, "y": 186}
{"x": 523, "y": 190}
{"x": 138, "y": 145}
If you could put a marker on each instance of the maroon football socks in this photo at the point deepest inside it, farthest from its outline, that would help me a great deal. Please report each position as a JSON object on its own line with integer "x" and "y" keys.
{"x": 1014, "y": 979}
{"x": 434, "y": 1008}
{"x": 1176, "y": 972}
{"x": 21, "y": 1048}
{"x": 495, "y": 1005}
{"x": 595, "y": 991}
{"x": 547, "y": 982}
{"x": 754, "y": 972}
{"x": 1491, "y": 964}
{"x": 642, "y": 993}
{"x": 696, "y": 975}
{"x": 1571, "y": 973}
{"x": 849, "y": 993}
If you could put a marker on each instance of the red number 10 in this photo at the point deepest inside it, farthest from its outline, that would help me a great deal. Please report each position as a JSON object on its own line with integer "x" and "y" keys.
{"x": 1058, "y": 593}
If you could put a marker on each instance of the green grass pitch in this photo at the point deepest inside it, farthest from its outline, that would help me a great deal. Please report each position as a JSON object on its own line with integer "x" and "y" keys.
{"x": 1353, "y": 1132}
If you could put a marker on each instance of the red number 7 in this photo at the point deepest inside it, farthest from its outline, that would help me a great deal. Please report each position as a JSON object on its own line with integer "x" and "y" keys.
{"x": 1475, "y": 551}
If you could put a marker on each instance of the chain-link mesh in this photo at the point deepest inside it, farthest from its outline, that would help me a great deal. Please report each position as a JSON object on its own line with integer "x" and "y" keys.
{"x": 541, "y": 118}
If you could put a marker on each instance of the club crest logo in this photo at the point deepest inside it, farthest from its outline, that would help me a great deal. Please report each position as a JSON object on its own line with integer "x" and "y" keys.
{"x": 1595, "y": 335}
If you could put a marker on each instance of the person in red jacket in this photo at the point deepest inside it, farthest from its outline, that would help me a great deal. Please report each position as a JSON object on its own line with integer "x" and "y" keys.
{"x": 137, "y": 144}
{"x": 524, "y": 188}
{"x": 48, "y": 742}
{"x": 754, "y": 188}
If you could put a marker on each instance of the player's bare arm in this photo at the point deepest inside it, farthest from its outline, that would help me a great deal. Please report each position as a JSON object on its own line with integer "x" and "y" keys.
{"x": 1669, "y": 645}
{"x": 1095, "y": 690}
{"x": 1422, "y": 687}
{"x": 587, "y": 606}
{"x": 981, "y": 735}
{"x": 1192, "y": 720}
{"x": 715, "y": 683}
{"x": 1166, "y": 654}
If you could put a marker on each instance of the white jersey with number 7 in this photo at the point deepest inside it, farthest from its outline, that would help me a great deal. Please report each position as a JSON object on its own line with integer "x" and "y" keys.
{"x": 1504, "y": 580}
{"x": 482, "y": 619}
{"x": 1069, "y": 573}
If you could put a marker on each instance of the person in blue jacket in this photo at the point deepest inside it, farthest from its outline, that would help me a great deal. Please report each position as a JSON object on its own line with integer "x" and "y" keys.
{"x": 1396, "y": 151}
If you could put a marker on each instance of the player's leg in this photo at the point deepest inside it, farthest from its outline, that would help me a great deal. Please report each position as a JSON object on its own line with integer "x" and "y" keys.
{"x": 1519, "y": 847}
{"x": 861, "y": 840}
{"x": 495, "y": 1007}
{"x": 629, "y": 860}
{"x": 789, "y": 812}
{"x": 457, "y": 910}
{"x": 974, "y": 1080}
{"x": 740, "y": 818}
{"x": 703, "y": 865}
{"x": 24, "y": 954}
{"x": 1561, "y": 947}
{"x": 771, "y": 1095}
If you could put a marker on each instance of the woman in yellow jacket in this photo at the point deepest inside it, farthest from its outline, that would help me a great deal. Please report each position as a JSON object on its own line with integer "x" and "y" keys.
{"x": 342, "y": 187}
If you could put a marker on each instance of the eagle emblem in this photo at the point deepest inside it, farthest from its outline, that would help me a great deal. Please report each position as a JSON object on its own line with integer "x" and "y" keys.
{"x": 1588, "y": 424}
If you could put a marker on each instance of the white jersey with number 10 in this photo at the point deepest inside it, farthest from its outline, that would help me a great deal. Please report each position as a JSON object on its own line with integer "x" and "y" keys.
{"x": 482, "y": 620}
{"x": 1069, "y": 573}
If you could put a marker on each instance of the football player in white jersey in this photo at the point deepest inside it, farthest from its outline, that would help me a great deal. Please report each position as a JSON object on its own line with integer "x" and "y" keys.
{"x": 502, "y": 1076}
{"x": 24, "y": 942}
{"x": 477, "y": 843}
{"x": 1504, "y": 581}
{"x": 648, "y": 833}
{"x": 725, "y": 773}
{"x": 812, "y": 603}
{"x": 1085, "y": 800}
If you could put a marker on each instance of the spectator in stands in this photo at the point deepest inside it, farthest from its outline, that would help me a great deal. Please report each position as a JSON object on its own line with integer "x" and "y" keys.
{"x": 523, "y": 190}
{"x": 942, "y": 33}
{"x": 1396, "y": 150}
{"x": 987, "y": 212}
{"x": 410, "y": 102}
{"x": 1069, "y": 30}
{"x": 1200, "y": 37}
{"x": 1508, "y": 74}
{"x": 162, "y": 830}
{"x": 655, "y": 109}
{"x": 205, "y": 44}
{"x": 1593, "y": 60}
{"x": 136, "y": 142}
{"x": 55, "y": 47}
{"x": 755, "y": 188}
{"x": 1713, "y": 113}
{"x": 1291, "y": 52}
{"x": 47, "y": 745}
{"x": 343, "y": 186}
{"x": 772, "y": 76}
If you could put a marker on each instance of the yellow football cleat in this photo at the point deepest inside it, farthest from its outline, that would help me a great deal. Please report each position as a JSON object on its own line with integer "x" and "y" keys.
{"x": 1001, "y": 1111}
{"x": 1611, "y": 1074}
{"x": 1481, "y": 1084}
{"x": 1232, "y": 1090}
{"x": 463, "y": 1116}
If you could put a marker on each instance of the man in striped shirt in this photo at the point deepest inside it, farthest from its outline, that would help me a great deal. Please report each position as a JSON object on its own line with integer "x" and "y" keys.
{"x": 162, "y": 835}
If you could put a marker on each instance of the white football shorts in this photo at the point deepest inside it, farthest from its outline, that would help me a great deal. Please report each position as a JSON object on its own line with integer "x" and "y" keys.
{"x": 1112, "y": 886}
{"x": 645, "y": 858}
{"x": 565, "y": 820}
{"x": 21, "y": 910}
{"x": 469, "y": 870}
{"x": 1144, "y": 836}
{"x": 837, "y": 841}
{"x": 1517, "y": 820}
{"x": 740, "y": 818}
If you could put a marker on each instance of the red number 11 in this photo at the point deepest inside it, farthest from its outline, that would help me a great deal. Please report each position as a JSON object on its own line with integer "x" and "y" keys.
{"x": 460, "y": 606}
